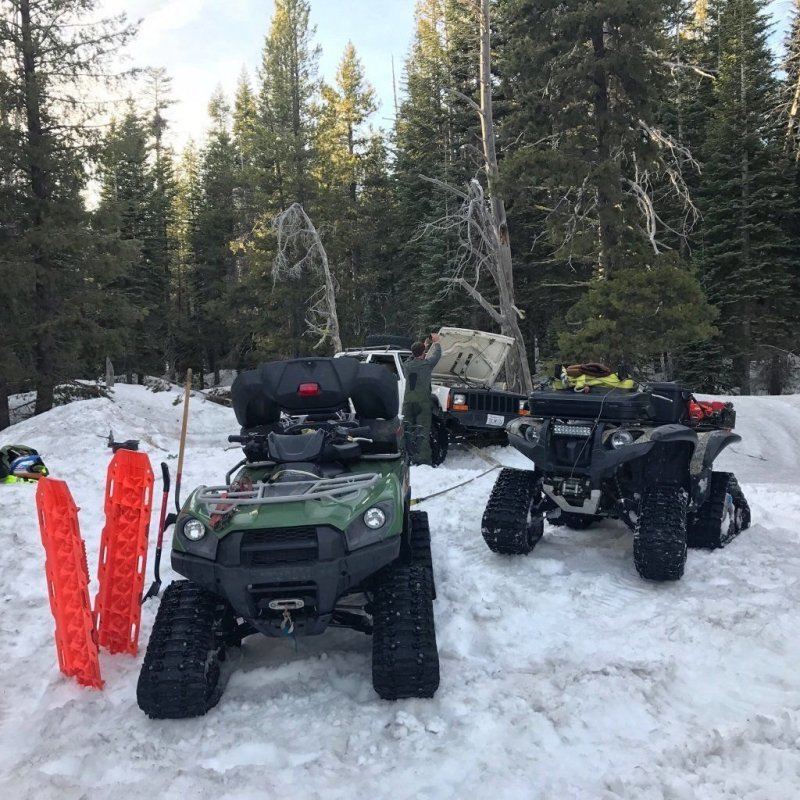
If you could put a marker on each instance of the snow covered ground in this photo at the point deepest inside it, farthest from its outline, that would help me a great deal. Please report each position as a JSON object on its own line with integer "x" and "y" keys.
{"x": 563, "y": 674}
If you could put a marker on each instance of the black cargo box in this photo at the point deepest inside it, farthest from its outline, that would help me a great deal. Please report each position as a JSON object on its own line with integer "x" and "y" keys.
{"x": 670, "y": 402}
{"x": 621, "y": 405}
{"x": 662, "y": 403}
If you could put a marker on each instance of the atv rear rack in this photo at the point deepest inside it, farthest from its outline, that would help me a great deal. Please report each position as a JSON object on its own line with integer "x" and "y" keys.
{"x": 218, "y": 498}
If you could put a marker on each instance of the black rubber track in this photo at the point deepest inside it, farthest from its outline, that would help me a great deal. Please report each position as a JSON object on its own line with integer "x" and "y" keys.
{"x": 659, "y": 541}
{"x": 508, "y": 525}
{"x": 405, "y": 660}
{"x": 710, "y": 527}
{"x": 180, "y": 674}
{"x": 419, "y": 540}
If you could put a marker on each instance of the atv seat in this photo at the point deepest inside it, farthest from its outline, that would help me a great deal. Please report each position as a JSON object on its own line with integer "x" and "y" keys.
{"x": 287, "y": 448}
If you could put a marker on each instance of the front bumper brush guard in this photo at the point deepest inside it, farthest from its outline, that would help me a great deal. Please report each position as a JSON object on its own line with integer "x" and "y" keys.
{"x": 223, "y": 498}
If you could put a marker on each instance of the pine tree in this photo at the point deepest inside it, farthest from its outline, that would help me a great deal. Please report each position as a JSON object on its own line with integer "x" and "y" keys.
{"x": 160, "y": 245}
{"x": 184, "y": 217}
{"x": 748, "y": 258}
{"x": 55, "y": 48}
{"x": 380, "y": 245}
{"x": 287, "y": 115}
{"x": 246, "y": 132}
{"x": 436, "y": 138}
{"x": 214, "y": 262}
{"x": 127, "y": 209}
{"x": 584, "y": 83}
{"x": 289, "y": 87}
{"x": 791, "y": 84}
{"x": 342, "y": 143}
{"x": 16, "y": 293}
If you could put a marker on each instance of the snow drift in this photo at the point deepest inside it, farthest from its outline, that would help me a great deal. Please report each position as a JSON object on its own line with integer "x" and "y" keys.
{"x": 563, "y": 674}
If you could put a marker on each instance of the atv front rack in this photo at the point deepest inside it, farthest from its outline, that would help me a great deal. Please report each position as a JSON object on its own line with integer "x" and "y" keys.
{"x": 267, "y": 493}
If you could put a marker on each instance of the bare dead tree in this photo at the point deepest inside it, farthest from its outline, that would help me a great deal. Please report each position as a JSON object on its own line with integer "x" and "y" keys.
{"x": 478, "y": 256}
{"x": 482, "y": 226}
{"x": 301, "y": 253}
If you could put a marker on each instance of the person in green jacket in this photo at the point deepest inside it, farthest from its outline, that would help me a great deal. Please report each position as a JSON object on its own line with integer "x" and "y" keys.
{"x": 417, "y": 399}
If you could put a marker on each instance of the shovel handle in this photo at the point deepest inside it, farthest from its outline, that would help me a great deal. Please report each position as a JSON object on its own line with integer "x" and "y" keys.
{"x": 165, "y": 477}
{"x": 186, "y": 394}
{"x": 164, "y": 498}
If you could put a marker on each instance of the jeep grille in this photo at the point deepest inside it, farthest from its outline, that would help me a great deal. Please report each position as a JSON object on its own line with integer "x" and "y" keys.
{"x": 493, "y": 403}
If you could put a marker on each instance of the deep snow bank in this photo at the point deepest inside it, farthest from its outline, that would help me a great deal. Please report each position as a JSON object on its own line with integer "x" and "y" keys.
{"x": 563, "y": 674}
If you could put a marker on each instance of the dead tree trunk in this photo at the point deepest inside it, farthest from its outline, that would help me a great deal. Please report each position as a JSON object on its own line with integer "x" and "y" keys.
{"x": 507, "y": 314}
{"x": 518, "y": 368}
{"x": 301, "y": 252}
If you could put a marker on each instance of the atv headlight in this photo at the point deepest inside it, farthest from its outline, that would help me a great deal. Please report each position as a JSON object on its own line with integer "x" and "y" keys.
{"x": 374, "y": 518}
{"x": 371, "y": 527}
{"x": 621, "y": 438}
{"x": 194, "y": 530}
{"x": 532, "y": 434}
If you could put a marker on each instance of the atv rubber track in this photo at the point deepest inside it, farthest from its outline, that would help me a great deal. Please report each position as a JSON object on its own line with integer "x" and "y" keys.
{"x": 505, "y": 526}
{"x": 180, "y": 674}
{"x": 405, "y": 660}
{"x": 419, "y": 544}
{"x": 705, "y": 526}
{"x": 420, "y": 539}
{"x": 659, "y": 541}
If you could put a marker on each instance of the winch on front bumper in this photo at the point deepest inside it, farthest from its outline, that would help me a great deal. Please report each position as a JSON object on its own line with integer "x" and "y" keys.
{"x": 572, "y": 494}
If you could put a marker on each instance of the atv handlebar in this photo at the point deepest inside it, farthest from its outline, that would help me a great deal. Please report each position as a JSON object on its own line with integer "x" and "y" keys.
{"x": 341, "y": 431}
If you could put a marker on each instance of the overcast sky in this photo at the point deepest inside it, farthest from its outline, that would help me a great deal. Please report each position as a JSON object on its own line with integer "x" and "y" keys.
{"x": 203, "y": 43}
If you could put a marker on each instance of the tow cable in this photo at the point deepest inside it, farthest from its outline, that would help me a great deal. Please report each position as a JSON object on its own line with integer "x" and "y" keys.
{"x": 488, "y": 459}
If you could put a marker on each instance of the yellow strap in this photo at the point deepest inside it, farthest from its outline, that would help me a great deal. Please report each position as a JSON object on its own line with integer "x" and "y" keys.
{"x": 612, "y": 381}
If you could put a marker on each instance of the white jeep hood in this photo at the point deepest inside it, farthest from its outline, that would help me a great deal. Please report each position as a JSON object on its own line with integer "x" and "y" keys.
{"x": 475, "y": 357}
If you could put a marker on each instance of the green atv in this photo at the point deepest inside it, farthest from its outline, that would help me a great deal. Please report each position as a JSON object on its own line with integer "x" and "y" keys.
{"x": 314, "y": 530}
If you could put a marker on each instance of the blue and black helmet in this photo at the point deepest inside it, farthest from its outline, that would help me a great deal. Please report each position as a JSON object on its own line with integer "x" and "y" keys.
{"x": 28, "y": 463}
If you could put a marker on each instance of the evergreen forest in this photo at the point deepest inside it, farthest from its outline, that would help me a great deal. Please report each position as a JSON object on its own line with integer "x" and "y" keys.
{"x": 639, "y": 160}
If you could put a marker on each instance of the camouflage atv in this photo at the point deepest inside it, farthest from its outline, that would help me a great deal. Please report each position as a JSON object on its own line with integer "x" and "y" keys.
{"x": 314, "y": 531}
{"x": 644, "y": 457}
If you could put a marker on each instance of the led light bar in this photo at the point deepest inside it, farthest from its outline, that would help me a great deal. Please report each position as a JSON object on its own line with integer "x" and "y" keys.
{"x": 584, "y": 431}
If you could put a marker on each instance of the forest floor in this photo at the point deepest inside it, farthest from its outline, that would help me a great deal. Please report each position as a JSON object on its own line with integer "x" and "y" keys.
{"x": 564, "y": 675}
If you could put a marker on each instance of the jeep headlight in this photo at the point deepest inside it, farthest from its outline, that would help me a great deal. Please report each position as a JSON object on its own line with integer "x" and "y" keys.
{"x": 194, "y": 530}
{"x": 621, "y": 438}
{"x": 459, "y": 399}
{"x": 374, "y": 518}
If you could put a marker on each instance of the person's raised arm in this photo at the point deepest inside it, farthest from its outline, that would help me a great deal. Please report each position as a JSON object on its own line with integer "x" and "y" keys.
{"x": 435, "y": 351}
